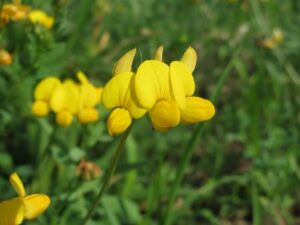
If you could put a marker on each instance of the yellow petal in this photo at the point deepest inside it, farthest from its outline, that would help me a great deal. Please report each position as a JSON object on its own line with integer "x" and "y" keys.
{"x": 159, "y": 53}
{"x": 99, "y": 93}
{"x": 277, "y": 36}
{"x": 124, "y": 64}
{"x": 151, "y": 83}
{"x": 197, "y": 110}
{"x": 165, "y": 115}
{"x": 40, "y": 108}
{"x": 12, "y": 212}
{"x": 135, "y": 111}
{"x": 189, "y": 58}
{"x": 17, "y": 184}
{"x": 88, "y": 115}
{"x": 82, "y": 77}
{"x": 115, "y": 92}
{"x": 64, "y": 118}
{"x": 65, "y": 97}
{"x": 88, "y": 97}
{"x": 45, "y": 88}
{"x": 118, "y": 121}
{"x": 182, "y": 82}
{"x": 35, "y": 205}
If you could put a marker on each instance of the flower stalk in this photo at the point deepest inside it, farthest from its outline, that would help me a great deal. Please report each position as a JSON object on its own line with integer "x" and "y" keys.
{"x": 109, "y": 175}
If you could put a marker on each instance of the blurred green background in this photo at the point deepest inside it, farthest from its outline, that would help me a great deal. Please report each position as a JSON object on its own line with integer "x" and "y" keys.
{"x": 245, "y": 169}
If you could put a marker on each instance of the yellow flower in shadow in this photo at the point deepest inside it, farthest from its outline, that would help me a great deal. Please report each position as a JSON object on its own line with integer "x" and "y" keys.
{"x": 23, "y": 207}
{"x": 5, "y": 57}
{"x": 273, "y": 41}
{"x": 13, "y": 12}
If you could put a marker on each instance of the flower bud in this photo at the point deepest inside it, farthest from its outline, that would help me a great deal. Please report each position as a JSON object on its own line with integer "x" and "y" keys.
{"x": 64, "y": 118}
{"x": 118, "y": 121}
{"x": 5, "y": 57}
{"x": 40, "y": 108}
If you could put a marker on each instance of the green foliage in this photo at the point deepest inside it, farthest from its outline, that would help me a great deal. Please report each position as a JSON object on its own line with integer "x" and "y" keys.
{"x": 244, "y": 170}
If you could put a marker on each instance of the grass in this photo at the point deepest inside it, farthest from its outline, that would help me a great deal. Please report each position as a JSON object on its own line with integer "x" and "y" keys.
{"x": 244, "y": 168}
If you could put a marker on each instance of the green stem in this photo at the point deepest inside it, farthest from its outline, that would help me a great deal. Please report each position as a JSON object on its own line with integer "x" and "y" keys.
{"x": 108, "y": 176}
{"x": 192, "y": 143}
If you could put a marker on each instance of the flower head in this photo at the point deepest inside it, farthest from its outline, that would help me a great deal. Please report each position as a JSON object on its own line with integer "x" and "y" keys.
{"x": 5, "y": 57}
{"x": 117, "y": 95}
{"x": 23, "y": 207}
{"x": 274, "y": 40}
{"x": 13, "y": 12}
{"x": 67, "y": 99}
{"x": 43, "y": 94}
{"x": 41, "y": 18}
{"x": 166, "y": 90}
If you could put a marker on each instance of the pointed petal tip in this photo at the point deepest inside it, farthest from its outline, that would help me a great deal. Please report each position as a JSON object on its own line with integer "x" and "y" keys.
{"x": 158, "y": 55}
{"x": 189, "y": 57}
{"x": 17, "y": 184}
{"x": 124, "y": 64}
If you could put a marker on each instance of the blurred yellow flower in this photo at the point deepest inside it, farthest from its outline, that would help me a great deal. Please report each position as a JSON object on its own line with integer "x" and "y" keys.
{"x": 40, "y": 17}
{"x": 43, "y": 94}
{"x": 64, "y": 102}
{"x": 117, "y": 95}
{"x": 13, "y": 12}
{"x": 273, "y": 41}
{"x": 5, "y": 57}
{"x": 89, "y": 98}
{"x": 23, "y": 207}
{"x": 67, "y": 99}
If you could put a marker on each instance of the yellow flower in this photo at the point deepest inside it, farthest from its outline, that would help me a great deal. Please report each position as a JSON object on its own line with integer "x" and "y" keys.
{"x": 165, "y": 91}
{"x": 192, "y": 109}
{"x": 89, "y": 98}
{"x": 274, "y": 40}
{"x": 13, "y": 11}
{"x": 5, "y": 57}
{"x": 117, "y": 95}
{"x": 23, "y": 207}
{"x": 65, "y": 102}
{"x": 40, "y": 17}
{"x": 43, "y": 94}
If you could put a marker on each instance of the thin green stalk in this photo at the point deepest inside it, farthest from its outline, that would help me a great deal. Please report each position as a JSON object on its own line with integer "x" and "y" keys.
{"x": 109, "y": 175}
{"x": 192, "y": 143}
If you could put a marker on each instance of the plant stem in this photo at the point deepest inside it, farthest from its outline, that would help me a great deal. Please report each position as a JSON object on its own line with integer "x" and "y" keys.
{"x": 193, "y": 141}
{"x": 108, "y": 176}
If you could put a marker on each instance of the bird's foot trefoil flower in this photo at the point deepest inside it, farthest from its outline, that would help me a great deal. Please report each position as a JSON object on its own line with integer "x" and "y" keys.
{"x": 23, "y": 207}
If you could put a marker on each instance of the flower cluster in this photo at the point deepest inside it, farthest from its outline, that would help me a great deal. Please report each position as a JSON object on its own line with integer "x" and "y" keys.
{"x": 67, "y": 99}
{"x": 16, "y": 11}
{"x": 274, "y": 40}
{"x": 163, "y": 91}
{"x": 23, "y": 207}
